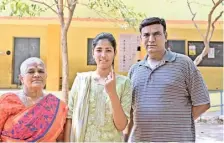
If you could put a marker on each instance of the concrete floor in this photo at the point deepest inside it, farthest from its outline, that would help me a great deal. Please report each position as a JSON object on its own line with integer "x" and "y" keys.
{"x": 209, "y": 133}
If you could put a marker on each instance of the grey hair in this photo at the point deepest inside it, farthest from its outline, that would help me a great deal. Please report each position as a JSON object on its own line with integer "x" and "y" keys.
{"x": 25, "y": 63}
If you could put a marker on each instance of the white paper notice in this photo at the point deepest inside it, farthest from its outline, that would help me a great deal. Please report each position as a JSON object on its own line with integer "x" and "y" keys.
{"x": 211, "y": 53}
{"x": 128, "y": 44}
{"x": 192, "y": 50}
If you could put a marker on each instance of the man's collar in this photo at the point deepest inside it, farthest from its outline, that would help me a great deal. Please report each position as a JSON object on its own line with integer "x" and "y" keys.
{"x": 168, "y": 57}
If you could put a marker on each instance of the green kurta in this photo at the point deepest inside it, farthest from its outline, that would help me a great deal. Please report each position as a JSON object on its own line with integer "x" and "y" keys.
{"x": 100, "y": 126}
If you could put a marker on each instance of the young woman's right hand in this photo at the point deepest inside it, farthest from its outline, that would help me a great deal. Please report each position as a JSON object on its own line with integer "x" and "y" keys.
{"x": 110, "y": 84}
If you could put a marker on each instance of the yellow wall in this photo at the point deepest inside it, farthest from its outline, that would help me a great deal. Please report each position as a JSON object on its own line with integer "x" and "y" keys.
{"x": 77, "y": 48}
{"x": 77, "y": 43}
{"x": 53, "y": 57}
{"x": 7, "y": 34}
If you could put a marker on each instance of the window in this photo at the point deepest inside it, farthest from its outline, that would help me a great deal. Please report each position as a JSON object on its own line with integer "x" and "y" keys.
{"x": 213, "y": 59}
{"x": 90, "y": 59}
{"x": 177, "y": 46}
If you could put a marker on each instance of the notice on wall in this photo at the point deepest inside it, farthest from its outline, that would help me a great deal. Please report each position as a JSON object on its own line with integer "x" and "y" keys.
{"x": 128, "y": 45}
{"x": 211, "y": 53}
{"x": 192, "y": 50}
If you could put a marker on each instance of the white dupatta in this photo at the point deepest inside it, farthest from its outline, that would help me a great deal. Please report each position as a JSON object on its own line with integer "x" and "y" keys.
{"x": 81, "y": 108}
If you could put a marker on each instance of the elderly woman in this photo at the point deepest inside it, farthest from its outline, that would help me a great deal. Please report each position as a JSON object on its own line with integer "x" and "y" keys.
{"x": 30, "y": 115}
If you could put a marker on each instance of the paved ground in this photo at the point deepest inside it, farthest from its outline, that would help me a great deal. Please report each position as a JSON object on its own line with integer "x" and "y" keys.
{"x": 209, "y": 132}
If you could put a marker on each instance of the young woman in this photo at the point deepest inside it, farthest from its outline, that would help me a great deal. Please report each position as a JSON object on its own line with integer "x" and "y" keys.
{"x": 99, "y": 101}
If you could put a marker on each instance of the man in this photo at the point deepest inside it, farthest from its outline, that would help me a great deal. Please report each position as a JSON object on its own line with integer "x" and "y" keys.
{"x": 168, "y": 90}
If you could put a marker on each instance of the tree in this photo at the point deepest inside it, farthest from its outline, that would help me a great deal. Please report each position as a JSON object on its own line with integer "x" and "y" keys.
{"x": 210, "y": 29}
{"x": 108, "y": 9}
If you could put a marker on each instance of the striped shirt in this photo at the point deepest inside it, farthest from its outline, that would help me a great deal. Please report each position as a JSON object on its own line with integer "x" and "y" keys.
{"x": 163, "y": 99}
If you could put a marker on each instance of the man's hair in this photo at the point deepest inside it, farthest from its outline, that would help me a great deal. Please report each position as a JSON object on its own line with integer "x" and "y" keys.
{"x": 151, "y": 21}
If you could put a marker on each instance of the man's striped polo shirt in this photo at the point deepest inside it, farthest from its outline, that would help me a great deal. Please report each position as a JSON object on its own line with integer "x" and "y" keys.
{"x": 163, "y": 99}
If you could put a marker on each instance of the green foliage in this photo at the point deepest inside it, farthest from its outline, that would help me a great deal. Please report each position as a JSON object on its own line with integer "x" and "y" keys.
{"x": 20, "y": 8}
{"x": 107, "y": 9}
{"x": 116, "y": 9}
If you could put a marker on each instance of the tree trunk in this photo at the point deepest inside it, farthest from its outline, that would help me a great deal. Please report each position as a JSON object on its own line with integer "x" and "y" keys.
{"x": 65, "y": 68}
{"x": 205, "y": 51}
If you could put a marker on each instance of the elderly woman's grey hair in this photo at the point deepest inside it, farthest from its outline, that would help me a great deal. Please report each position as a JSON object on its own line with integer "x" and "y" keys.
{"x": 25, "y": 63}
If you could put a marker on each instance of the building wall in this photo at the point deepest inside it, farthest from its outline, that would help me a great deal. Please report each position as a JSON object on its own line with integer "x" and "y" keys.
{"x": 77, "y": 50}
{"x": 7, "y": 34}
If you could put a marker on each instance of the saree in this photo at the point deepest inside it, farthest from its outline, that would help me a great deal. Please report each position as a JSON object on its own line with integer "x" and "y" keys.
{"x": 41, "y": 122}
